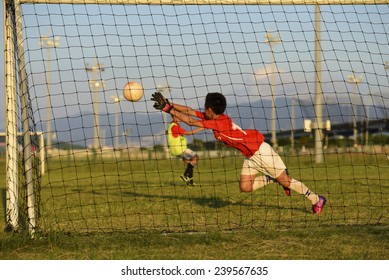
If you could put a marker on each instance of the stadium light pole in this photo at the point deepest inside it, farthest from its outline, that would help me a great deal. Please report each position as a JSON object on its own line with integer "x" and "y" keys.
{"x": 117, "y": 101}
{"x": 272, "y": 40}
{"x": 354, "y": 80}
{"x": 386, "y": 68}
{"x": 48, "y": 43}
{"x": 96, "y": 84}
{"x": 367, "y": 104}
{"x": 293, "y": 116}
{"x": 318, "y": 124}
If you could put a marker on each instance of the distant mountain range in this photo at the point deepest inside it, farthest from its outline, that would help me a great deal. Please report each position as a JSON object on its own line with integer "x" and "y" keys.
{"x": 147, "y": 129}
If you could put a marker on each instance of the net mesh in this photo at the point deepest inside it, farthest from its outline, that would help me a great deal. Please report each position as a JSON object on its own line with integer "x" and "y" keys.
{"x": 108, "y": 165}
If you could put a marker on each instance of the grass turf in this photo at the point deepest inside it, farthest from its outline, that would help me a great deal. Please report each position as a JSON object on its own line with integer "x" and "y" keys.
{"x": 128, "y": 209}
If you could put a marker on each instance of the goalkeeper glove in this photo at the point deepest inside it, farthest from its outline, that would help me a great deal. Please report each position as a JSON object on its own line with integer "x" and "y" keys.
{"x": 161, "y": 102}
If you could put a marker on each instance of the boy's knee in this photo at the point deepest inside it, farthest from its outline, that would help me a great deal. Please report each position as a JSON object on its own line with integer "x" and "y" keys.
{"x": 246, "y": 187}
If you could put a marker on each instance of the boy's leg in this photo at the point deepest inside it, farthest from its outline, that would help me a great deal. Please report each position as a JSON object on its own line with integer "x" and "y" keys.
{"x": 187, "y": 177}
{"x": 250, "y": 183}
{"x": 317, "y": 201}
{"x": 288, "y": 182}
{"x": 268, "y": 162}
{"x": 189, "y": 170}
{"x": 191, "y": 159}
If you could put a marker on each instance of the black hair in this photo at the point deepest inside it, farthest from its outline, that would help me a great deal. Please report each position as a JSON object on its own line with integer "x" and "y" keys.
{"x": 216, "y": 101}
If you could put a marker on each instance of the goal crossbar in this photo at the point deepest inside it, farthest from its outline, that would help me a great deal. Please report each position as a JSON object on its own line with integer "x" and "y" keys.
{"x": 211, "y": 2}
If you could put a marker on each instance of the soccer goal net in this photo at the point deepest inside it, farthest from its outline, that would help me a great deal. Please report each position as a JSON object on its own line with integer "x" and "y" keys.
{"x": 311, "y": 76}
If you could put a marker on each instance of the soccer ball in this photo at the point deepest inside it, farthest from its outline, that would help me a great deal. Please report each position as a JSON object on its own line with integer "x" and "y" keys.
{"x": 133, "y": 91}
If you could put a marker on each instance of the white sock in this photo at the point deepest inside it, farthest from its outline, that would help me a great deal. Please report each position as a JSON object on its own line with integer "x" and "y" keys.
{"x": 302, "y": 189}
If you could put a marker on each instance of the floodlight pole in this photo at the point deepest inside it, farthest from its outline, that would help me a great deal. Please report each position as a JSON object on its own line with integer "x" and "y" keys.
{"x": 272, "y": 40}
{"x": 386, "y": 65}
{"x": 48, "y": 43}
{"x": 293, "y": 116}
{"x": 117, "y": 101}
{"x": 354, "y": 80}
{"x": 318, "y": 124}
{"x": 367, "y": 104}
{"x": 95, "y": 85}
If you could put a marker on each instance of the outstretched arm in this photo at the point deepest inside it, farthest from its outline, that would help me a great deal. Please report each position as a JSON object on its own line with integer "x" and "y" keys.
{"x": 184, "y": 113}
{"x": 184, "y": 109}
{"x": 188, "y": 119}
{"x": 194, "y": 131}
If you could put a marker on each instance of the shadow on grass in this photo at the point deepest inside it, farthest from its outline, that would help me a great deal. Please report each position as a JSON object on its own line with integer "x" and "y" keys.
{"x": 212, "y": 202}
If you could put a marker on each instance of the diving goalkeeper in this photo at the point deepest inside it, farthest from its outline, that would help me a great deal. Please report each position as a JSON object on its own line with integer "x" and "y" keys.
{"x": 259, "y": 155}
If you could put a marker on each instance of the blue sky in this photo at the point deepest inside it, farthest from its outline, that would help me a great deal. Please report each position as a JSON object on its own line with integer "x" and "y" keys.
{"x": 199, "y": 49}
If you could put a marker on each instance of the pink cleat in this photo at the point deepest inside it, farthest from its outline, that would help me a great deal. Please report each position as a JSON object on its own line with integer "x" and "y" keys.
{"x": 318, "y": 207}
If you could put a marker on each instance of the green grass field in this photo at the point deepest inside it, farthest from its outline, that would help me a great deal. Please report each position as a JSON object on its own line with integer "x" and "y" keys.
{"x": 141, "y": 210}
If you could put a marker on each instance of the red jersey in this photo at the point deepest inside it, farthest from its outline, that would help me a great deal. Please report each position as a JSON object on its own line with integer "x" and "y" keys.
{"x": 246, "y": 141}
{"x": 177, "y": 130}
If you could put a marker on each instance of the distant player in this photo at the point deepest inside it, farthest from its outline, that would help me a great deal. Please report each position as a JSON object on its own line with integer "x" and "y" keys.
{"x": 260, "y": 156}
{"x": 178, "y": 147}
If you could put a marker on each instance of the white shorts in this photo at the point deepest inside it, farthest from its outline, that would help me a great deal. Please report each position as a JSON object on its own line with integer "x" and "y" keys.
{"x": 265, "y": 160}
{"x": 187, "y": 155}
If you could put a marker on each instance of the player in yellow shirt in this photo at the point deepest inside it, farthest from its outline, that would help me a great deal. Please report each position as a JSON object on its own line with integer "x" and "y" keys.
{"x": 178, "y": 147}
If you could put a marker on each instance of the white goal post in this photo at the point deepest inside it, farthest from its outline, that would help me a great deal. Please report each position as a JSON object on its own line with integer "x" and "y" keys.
{"x": 38, "y": 150}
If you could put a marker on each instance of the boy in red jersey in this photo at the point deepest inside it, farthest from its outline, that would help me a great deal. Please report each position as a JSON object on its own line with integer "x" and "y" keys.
{"x": 260, "y": 156}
